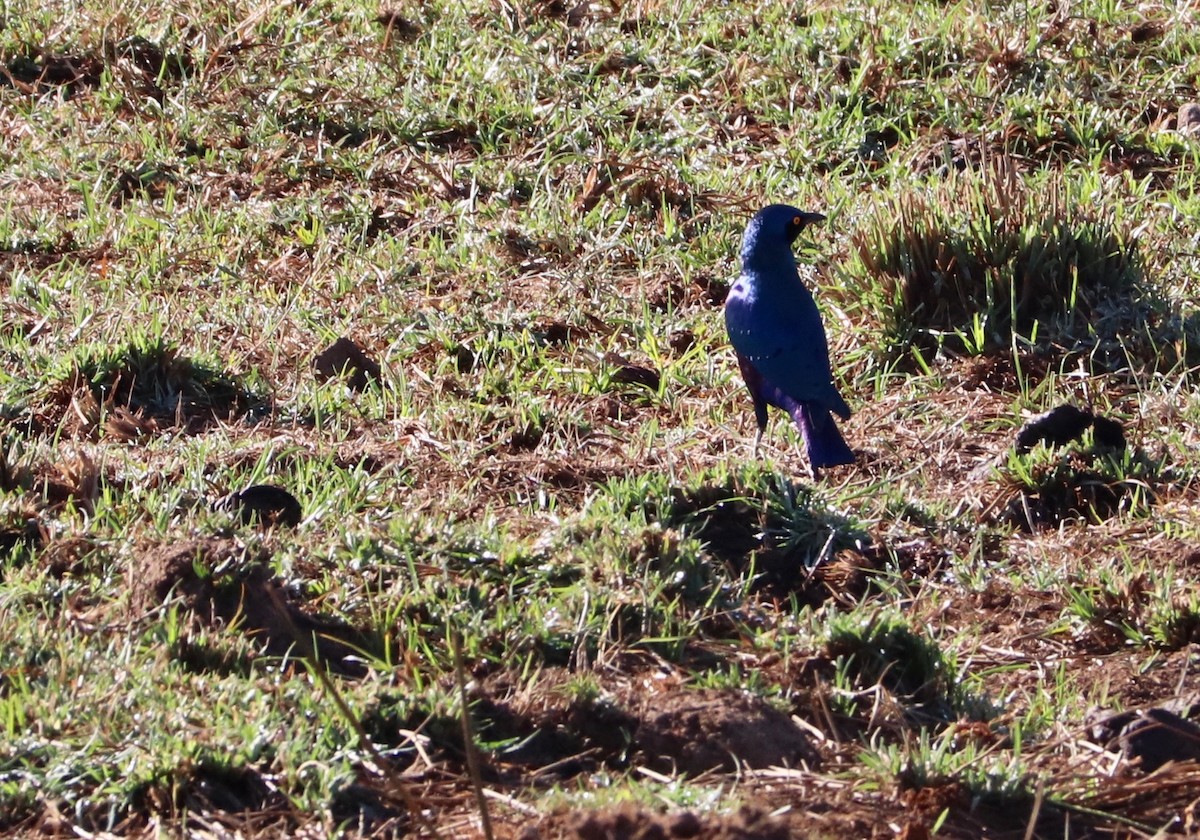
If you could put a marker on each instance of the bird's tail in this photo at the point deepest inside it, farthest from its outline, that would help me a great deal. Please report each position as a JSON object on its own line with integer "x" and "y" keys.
{"x": 823, "y": 442}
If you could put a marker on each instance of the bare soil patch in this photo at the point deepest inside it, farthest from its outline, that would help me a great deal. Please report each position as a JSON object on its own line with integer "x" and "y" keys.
{"x": 225, "y": 585}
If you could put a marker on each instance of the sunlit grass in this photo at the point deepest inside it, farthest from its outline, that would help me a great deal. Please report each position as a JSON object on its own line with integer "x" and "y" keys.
{"x": 528, "y": 216}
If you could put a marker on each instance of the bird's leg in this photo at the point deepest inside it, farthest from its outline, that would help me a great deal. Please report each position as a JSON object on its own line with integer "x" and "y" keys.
{"x": 758, "y": 436}
{"x": 814, "y": 472}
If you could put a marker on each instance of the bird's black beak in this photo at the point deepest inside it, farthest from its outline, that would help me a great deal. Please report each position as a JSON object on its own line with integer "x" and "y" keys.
{"x": 800, "y": 222}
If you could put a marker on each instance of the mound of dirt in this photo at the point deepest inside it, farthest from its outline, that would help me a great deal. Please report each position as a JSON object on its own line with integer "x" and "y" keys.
{"x": 677, "y": 730}
{"x": 629, "y": 822}
{"x": 698, "y": 731}
{"x": 226, "y": 585}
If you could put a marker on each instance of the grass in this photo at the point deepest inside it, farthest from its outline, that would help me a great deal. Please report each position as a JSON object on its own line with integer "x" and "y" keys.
{"x": 527, "y": 216}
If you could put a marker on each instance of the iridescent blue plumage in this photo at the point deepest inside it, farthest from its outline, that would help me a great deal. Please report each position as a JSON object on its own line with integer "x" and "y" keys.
{"x": 776, "y": 330}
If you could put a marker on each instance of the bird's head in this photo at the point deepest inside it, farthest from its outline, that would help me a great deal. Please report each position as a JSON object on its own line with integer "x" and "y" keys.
{"x": 774, "y": 229}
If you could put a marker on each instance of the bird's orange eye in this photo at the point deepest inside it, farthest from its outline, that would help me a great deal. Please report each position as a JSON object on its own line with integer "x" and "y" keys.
{"x": 797, "y": 221}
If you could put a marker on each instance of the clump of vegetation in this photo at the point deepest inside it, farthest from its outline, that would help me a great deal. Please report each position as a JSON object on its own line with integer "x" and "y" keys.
{"x": 773, "y": 532}
{"x": 1045, "y": 486}
{"x": 989, "y": 254}
{"x": 149, "y": 379}
{"x": 1121, "y": 603}
{"x": 881, "y": 648}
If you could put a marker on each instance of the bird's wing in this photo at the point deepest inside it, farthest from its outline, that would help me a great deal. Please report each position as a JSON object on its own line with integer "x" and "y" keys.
{"x": 783, "y": 337}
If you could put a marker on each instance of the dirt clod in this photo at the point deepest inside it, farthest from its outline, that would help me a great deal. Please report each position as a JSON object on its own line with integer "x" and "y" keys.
{"x": 1151, "y": 736}
{"x": 681, "y": 340}
{"x": 559, "y": 332}
{"x": 153, "y": 60}
{"x": 210, "y": 788}
{"x": 1056, "y": 427}
{"x": 627, "y": 373}
{"x": 1108, "y": 433}
{"x": 1159, "y": 736}
{"x": 37, "y": 73}
{"x": 264, "y": 504}
{"x": 398, "y": 26}
{"x": 346, "y": 358}
{"x": 26, "y": 535}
